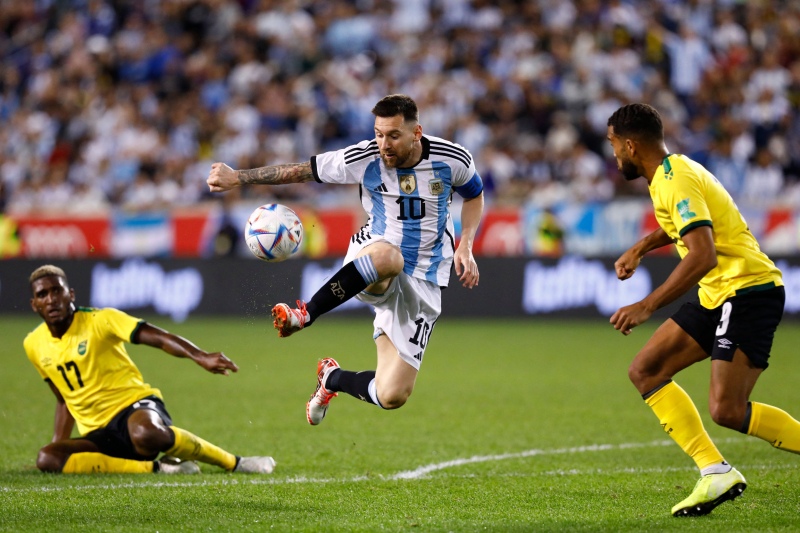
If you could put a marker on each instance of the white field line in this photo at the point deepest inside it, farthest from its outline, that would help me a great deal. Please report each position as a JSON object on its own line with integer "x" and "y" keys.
{"x": 418, "y": 473}
{"x": 423, "y": 471}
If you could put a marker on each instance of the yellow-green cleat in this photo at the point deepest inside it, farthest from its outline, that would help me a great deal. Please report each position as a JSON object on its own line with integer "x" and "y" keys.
{"x": 711, "y": 491}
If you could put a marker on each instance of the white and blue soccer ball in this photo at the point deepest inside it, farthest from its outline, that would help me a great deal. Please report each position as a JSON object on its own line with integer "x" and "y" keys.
{"x": 273, "y": 232}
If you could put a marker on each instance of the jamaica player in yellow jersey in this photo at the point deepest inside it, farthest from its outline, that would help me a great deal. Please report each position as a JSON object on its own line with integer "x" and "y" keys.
{"x": 741, "y": 303}
{"x": 123, "y": 423}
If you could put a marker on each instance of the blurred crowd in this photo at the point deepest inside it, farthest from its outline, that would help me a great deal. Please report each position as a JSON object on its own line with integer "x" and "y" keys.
{"x": 114, "y": 104}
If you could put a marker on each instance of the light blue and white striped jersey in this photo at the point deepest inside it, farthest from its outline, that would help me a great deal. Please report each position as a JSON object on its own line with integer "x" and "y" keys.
{"x": 408, "y": 207}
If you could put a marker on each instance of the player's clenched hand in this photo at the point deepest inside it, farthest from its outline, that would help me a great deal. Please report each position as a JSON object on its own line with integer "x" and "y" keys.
{"x": 466, "y": 267}
{"x": 626, "y": 265}
{"x": 216, "y": 363}
{"x": 222, "y": 178}
{"x": 628, "y": 317}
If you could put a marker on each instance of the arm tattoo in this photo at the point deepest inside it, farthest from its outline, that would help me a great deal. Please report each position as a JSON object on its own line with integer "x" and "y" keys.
{"x": 277, "y": 174}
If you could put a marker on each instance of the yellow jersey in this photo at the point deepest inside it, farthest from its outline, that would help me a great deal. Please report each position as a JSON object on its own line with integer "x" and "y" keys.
{"x": 686, "y": 195}
{"x": 90, "y": 366}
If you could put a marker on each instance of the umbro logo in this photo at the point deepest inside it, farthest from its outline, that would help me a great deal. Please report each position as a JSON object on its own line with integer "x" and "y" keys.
{"x": 725, "y": 343}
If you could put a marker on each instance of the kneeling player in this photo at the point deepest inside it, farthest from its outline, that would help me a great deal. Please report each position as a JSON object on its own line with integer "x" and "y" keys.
{"x": 122, "y": 420}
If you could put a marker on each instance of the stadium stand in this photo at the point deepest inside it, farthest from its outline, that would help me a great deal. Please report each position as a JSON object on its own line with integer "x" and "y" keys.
{"x": 115, "y": 105}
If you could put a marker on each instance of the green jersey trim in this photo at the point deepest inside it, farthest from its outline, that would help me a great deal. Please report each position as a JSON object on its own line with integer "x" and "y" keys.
{"x": 689, "y": 227}
{"x": 667, "y": 164}
{"x": 755, "y": 288}
{"x": 133, "y": 333}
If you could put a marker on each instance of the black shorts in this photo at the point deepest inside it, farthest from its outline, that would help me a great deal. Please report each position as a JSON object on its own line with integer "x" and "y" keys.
{"x": 745, "y": 321}
{"x": 114, "y": 439}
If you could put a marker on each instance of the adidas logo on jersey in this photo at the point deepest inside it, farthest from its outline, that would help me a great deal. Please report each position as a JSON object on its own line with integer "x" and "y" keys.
{"x": 381, "y": 188}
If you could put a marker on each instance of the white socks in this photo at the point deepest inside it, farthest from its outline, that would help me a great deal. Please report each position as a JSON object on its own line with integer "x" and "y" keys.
{"x": 719, "y": 468}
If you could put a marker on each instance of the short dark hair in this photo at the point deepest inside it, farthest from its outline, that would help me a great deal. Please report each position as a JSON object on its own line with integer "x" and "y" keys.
{"x": 397, "y": 104}
{"x": 637, "y": 121}
{"x": 47, "y": 270}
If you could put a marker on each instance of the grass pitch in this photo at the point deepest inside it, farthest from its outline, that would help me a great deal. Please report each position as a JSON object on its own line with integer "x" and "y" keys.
{"x": 515, "y": 425}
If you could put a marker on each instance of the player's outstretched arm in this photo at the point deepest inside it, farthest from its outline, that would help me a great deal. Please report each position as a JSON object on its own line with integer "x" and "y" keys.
{"x": 463, "y": 260}
{"x": 214, "y": 362}
{"x": 224, "y": 178}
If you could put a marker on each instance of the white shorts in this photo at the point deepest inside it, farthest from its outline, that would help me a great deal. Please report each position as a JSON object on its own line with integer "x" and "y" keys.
{"x": 406, "y": 312}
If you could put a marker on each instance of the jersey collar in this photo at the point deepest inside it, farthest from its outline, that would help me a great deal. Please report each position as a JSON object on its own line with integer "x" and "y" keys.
{"x": 426, "y": 148}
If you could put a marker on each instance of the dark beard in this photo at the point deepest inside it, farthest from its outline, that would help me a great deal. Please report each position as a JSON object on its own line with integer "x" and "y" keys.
{"x": 629, "y": 171}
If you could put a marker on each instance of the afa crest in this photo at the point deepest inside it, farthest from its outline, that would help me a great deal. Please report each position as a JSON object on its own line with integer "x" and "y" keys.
{"x": 436, "y": 186}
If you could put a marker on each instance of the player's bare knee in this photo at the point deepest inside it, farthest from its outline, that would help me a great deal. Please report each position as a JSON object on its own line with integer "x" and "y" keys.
{"x": 726, "y": 415}
{"x": 393, "y": 402}
{"x": 149, "y": 439}
{"x": 646, "y": 376}
{"x": 637, "y": 376}
{"x": 388, "y": 262}
{"x": 50, "y": 461}
{"x": 393, "y": 398}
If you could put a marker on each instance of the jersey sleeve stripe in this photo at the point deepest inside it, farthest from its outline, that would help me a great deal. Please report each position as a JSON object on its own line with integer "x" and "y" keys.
{"x": 356, "y": 148}
{"x": 356, "y": 153}
{"x": 689, "y": 227}
{"x": 452, "y": 155}
{"x": 451, "y": 148}
{"x": 349, "y": 160}
{"x": 314, "y": 170}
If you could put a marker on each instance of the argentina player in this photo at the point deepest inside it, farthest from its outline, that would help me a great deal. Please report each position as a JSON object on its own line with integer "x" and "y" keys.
{"x": 399, "y": 261}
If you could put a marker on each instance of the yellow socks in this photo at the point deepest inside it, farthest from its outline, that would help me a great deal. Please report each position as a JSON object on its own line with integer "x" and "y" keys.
{"x": 189, "y": 447}
{"x": 681, "y": 421}
{"x": 98, "y": 463}
{"x": 774, "y": 426}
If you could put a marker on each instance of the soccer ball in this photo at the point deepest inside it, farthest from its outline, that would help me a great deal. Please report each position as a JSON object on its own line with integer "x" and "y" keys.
{"x": 273, "y": 232}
